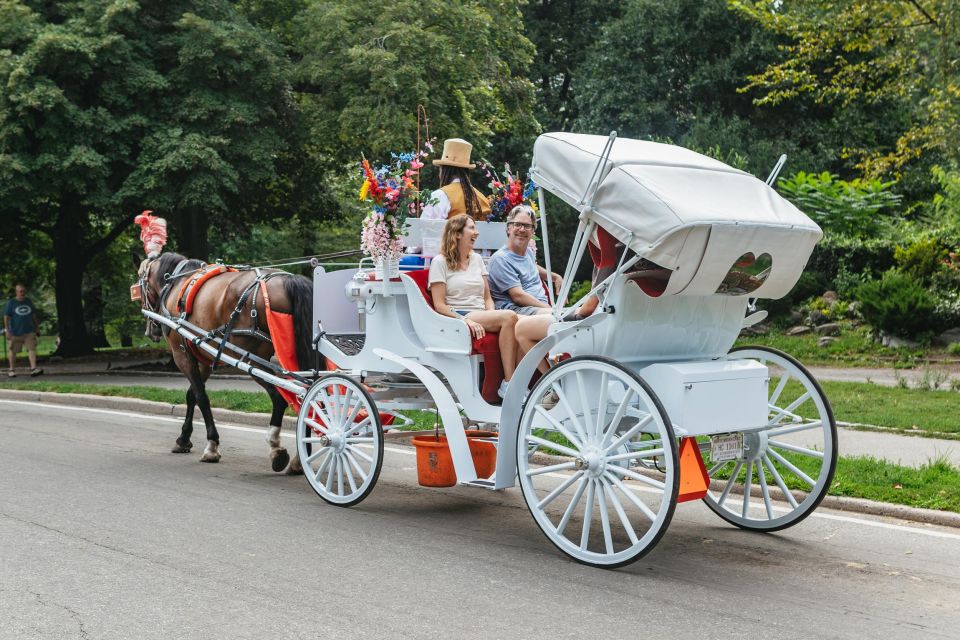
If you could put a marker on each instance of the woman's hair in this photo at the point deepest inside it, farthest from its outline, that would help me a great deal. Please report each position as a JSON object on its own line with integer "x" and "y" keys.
{"x": 522, "y": 208}
{"x": 450, "y": 245}
{"x": 449, "y": 174}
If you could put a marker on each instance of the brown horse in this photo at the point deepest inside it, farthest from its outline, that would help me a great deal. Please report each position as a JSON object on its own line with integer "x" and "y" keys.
{"x": 232, "y": 303}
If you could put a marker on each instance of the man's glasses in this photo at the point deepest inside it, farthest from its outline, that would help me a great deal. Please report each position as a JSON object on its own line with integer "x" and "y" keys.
{"x": 523, "y": 225}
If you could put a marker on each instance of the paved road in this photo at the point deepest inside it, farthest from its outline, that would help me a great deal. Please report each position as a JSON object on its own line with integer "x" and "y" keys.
{"x": 106, "y": 535}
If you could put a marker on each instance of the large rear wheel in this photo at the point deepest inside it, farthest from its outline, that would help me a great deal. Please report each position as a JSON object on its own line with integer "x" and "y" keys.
{"x": 597, "y": 461}
{"x": 795, "y": 451}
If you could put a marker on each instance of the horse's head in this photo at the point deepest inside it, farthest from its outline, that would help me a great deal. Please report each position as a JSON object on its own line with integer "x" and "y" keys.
{"x": 153, "y": 283}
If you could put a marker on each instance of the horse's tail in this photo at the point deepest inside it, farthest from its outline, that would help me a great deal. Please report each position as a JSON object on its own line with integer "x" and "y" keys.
{"x": 299, "y": 291}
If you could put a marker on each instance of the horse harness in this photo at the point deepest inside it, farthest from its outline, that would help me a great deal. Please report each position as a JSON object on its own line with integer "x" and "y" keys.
{"x": 221, "y": 334}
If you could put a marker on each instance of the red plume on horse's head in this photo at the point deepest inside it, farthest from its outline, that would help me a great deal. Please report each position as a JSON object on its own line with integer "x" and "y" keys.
{"x": 153, "y": 233}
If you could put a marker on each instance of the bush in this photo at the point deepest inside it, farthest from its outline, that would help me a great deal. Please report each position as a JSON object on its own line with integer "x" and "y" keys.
{"x": 921, "y": 259}
{"x": 899, "y": 305}
{"x": 856, "y": 208}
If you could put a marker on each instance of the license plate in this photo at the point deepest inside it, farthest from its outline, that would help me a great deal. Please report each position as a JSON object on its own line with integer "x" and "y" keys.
{"x": 135, "y": 292}
{"x": 726, "y": 447}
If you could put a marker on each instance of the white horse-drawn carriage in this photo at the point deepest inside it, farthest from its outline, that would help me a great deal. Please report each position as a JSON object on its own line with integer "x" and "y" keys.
{"x": 596, "y": 442}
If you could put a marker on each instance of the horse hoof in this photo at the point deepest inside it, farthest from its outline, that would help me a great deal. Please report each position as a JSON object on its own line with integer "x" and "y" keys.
{"x": 295, "y": 469}
{"x": 279, "y": 460}
{"x": 210, "y": 457}
{"x": 179, "y": 448}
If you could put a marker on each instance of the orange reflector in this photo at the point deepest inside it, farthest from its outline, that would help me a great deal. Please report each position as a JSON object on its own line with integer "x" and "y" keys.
{"x": 694, "y": 480}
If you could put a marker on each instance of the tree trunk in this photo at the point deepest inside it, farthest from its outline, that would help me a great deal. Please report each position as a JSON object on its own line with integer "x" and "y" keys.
{"x": 70, "y": 265}
{"x": 191, "y": 234}
{"x": 93, "y": 314}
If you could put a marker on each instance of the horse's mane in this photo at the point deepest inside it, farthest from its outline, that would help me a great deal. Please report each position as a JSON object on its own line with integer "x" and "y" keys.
{"x": 167, "y": 262}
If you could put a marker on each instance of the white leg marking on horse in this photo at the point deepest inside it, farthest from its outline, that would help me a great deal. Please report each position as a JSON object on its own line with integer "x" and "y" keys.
{"x": 294, "y": 468}
{"x": 211, "y": 453}
{"x": 273, "y": 437}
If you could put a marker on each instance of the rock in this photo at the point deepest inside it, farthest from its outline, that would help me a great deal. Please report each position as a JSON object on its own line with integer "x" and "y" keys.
{"x": 948, "y": 337}
{"x": 829, "y": 329}
{"x": 854, "y": 308}
{"x": 755, "y": 330}
{"x": 798, "y": 330}
{"x": 895, "y": 342}
{"x": 795, "y": 317}
{"x": 825, "y": 340}
{"x": 818, "y": 317}
{"x": 830, "y": 297}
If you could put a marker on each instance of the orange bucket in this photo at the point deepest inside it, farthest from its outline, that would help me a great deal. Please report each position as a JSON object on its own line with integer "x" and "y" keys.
{"x": 435, "y": 465}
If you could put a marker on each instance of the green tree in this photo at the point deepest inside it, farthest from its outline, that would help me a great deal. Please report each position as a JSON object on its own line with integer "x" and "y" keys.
{"x": 111, "y": 106}
{"x": 865, "y": 52}
{"x": 366, "y": 66}
{"x": 672, "y": 71}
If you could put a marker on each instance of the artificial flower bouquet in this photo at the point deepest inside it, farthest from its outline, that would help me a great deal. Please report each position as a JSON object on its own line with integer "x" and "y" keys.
{"x": 394, "y": 193}
{"x": 507, "y": 192}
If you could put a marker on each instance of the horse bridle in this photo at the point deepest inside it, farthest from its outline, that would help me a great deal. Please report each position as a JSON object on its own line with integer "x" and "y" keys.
{"x": 158, "y": 307}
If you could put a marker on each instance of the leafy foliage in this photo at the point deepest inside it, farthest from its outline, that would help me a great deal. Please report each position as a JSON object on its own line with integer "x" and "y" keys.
{"x": 921, "y": 259}
{"x": 853, "y": 208}
{"x": 899, "y": 305}
{"x": 867, "y": 51}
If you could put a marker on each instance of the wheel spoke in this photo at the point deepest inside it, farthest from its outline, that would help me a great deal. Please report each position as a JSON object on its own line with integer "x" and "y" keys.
{"x": 577, "y": 425}
{"x": 602, "y": 404}
{"x": 550, "y": 497}
{"x": 312, "y": 440}
{"x": 316, "y": 426}
{"x": 328, "y": 485}
{"x": 360, "y": 439}
{"x": 323, "y": 466}
{"x": 553, "y": 445}
{"x": 617, "y": 417}
{"x": 316, "y": 454}
{"x": 748, "y": 480}
{"x": 604, "y": 518}
{"x": 796, "y": 449}
{"x": 554, "y": 467}
{"x": 572, "y": 506}
{"x": 339, "y": 464}
{"x": 780, "y": 482}
{"x": 780, "y": 385}
{"x": 633, "y": 475}
{"x": 353, "y": 414}
{"x": 717, "y": 467}
{"x": 588, "y": 423}
{"x": 361, "y": 474}
{"x": 637, "y": 502}
{"x": 794, "y": 428}
{"x": 357, "y": 451}
{"x": 765, "y": 490}
{"x": 629, "y": 434}
{"x": 357, "y": 427}
{"x": 587, "y": 515}
{"x": 790, "y": 407}
{"x": 789, "y": 465}
{"x": 730, "y": 481}
{"x": 618, "y": 507}
{"x": 349, "y": 473}
{"x": 559, "y": 427}
{"x": 633, "y": 455}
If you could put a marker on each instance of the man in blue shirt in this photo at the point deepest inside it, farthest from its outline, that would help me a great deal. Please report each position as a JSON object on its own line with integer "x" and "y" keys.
{"x": 20, "y": 324}
{"x": 516, "y": 280}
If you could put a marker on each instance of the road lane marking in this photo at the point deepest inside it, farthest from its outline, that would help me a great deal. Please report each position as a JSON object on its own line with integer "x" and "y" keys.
{"x": 407, "y": 452}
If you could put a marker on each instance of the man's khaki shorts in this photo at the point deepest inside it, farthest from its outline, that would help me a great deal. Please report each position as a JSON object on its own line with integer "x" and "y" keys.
{"x": 18, "y": 342}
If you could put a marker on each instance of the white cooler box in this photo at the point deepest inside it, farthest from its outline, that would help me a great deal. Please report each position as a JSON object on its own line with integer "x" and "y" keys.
{"x": 708, "y": 397}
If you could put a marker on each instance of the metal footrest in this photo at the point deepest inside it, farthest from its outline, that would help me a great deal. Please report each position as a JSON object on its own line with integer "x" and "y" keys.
{"x": 349, "y": 343}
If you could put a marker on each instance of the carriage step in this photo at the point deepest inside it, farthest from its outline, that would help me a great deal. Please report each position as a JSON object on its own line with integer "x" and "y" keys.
{"x": 483, "y": 484}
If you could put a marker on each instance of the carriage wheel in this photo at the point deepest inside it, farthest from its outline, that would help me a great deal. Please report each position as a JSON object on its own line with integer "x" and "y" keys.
{"x": 340, "y": 440}
{"x": 796, "y": 450}
{"x": 610, "y": 498}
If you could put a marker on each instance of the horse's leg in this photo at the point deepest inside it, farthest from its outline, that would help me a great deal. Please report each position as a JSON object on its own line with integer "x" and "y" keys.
{"x": 278, "y": 455}
{"x": 199, "y": 379}
{"x": 183, "y": 444}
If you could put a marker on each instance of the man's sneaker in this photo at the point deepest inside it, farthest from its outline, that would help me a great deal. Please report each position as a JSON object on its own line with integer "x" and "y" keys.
{"x": 549, "y": 400}
{"x": 502, "y": 391}
{"x": 11, "y": 374}
{"x": 36, "y": 371}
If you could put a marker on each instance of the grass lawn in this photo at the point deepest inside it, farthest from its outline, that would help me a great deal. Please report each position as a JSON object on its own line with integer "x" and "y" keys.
{"x": 853, "y": 348}
{"x": 894, "y": 407}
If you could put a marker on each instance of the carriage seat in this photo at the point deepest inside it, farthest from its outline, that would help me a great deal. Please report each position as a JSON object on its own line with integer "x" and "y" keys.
{"x": 488, "y": 346}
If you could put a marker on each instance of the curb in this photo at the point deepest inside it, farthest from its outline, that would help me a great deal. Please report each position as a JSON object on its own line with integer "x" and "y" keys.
{"x": 839, "y": 503}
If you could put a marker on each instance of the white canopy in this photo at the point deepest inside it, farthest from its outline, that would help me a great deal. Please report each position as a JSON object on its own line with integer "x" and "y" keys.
{"x": 684, "y": 211}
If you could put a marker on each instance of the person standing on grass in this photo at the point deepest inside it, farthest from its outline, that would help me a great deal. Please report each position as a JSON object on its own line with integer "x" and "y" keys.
{"x": 21, "y": 326}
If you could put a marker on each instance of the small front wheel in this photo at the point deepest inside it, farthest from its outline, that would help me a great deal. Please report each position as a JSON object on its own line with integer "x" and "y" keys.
{"x": 340, "y": 440}
{"x": 606, "y": 489}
